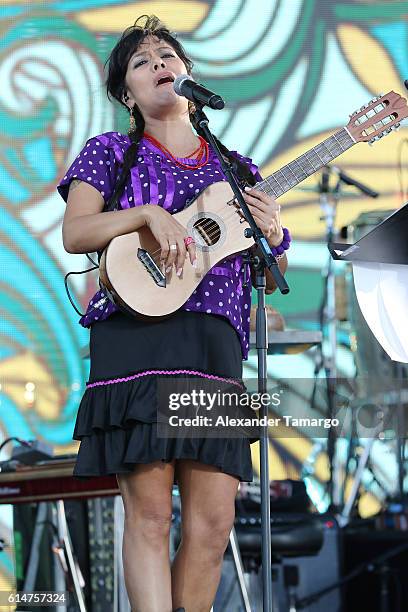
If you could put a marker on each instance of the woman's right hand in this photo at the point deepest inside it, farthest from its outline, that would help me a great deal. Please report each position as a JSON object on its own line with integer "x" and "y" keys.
{"x": 167, "y": 231}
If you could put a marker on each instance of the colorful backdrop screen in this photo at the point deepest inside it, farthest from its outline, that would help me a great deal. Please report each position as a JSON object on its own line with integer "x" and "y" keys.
{"x": 291, "y": 72}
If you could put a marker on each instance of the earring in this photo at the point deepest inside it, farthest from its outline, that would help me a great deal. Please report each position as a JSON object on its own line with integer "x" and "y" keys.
{"x": 191, "y": 108}
{"x": 132, "y": 121}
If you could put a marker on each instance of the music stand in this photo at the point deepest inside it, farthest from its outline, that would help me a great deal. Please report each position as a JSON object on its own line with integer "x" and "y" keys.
{"x": 380, "y": 273}
{"x": 385, "y": 244}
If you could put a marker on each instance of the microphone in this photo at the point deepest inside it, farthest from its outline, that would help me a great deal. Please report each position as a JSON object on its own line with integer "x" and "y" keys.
{"x": 348, "y": 180}
{"x": 185, "y": 86}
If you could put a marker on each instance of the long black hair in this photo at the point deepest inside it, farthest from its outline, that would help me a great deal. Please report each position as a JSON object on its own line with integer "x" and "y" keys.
{"x": 117, "y": 63}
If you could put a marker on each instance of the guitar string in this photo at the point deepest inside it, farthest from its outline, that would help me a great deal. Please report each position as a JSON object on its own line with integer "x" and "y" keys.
{"x": 265, "y": 183}
{"x": 210, "y": 234}
{"x": 209, "y": 222}
{"x": 266, "y": 187}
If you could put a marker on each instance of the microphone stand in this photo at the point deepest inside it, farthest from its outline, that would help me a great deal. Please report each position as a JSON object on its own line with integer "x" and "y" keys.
{"x": 264, "y": 259}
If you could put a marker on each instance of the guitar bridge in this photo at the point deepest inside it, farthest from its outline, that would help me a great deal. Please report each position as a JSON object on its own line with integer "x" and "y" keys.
{"x": 151, "y": 266}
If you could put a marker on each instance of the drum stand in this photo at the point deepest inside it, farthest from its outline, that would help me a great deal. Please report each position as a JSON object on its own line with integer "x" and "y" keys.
{"x": 329, "y": 199}
{"x": 328, "y": 204}
{"x": 64, "y": 562}
{"x": 239, "y": 568}
{"x": 363, "y": 461}
{"x": 329, "y": 208}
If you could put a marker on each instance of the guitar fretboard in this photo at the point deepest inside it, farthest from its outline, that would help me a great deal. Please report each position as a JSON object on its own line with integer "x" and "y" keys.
{"x": 300, "y": 168}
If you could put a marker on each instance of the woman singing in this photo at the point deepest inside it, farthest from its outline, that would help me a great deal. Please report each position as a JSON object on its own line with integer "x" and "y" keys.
{"x": 118, "y": 184}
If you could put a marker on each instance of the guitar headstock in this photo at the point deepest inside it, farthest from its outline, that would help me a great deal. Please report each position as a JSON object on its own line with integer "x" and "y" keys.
{"x": 378, "y": 118}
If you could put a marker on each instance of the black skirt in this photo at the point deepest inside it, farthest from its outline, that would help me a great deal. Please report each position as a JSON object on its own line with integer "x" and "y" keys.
{"x": 117, "y": 418}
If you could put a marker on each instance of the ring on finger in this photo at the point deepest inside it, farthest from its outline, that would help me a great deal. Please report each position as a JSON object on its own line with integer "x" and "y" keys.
{"x": 173, "y": 247}
{"x": 189, "y": 240}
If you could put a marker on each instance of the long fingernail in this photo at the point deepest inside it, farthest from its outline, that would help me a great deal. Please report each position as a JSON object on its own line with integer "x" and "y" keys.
{"x": 168, "y": 269}
{"x": 179, "y": 272}
{"x": 194, "y": 264}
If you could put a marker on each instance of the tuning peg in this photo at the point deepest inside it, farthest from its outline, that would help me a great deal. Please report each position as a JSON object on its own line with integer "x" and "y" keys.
{"x": 397, "y": 127}
{"x": 374, "y": 139}
{"x": 363, "y": 107}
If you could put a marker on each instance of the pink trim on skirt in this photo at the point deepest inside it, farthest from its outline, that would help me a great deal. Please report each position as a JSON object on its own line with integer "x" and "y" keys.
{"x": 163, "y": 372}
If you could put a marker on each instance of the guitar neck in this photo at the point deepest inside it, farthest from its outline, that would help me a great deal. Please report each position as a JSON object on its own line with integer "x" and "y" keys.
{"x": 299, "y": 169}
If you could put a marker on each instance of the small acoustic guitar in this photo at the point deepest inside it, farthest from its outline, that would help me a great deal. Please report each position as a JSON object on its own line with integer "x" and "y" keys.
{"x": 130, "y": 271}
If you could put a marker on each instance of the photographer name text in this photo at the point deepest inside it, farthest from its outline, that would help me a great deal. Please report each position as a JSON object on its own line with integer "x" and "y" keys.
{"x": 226, "y": 421}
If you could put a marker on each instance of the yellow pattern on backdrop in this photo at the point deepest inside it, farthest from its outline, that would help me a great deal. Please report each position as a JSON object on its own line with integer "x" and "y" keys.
{"x": 180, "y": 15}
{"x": 368, "y": 60}
{"x": 46, "y": 400}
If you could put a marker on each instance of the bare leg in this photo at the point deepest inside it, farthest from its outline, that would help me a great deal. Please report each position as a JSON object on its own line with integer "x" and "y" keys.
{"x": 147, "y": 500}
{"x": 207, "y": 507}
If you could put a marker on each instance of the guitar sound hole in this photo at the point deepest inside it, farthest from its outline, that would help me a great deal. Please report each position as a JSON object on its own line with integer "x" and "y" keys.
{"x": 208, "y": 230}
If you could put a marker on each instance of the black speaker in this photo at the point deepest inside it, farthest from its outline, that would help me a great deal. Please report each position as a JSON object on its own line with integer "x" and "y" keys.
{"x": 293, "y": 578}
{"x": 383, "y": 586}
{"x": 302, "y": 577}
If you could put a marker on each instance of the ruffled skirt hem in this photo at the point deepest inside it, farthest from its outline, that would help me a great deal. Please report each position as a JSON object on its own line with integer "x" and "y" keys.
{"x": 120, "y": 450}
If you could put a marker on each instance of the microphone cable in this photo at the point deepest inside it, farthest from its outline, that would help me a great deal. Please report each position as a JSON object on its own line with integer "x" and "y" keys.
{"x": 98, "y": 304}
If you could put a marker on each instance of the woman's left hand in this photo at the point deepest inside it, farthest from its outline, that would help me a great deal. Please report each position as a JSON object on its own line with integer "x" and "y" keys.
{"x": 266, "y": 213}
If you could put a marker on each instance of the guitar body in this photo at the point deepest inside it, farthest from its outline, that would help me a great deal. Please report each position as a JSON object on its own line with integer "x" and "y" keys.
{"x": 130, "y": 270}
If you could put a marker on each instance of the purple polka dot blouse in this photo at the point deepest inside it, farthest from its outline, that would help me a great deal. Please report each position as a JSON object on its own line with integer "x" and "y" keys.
{"x": 226, "y": 288}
